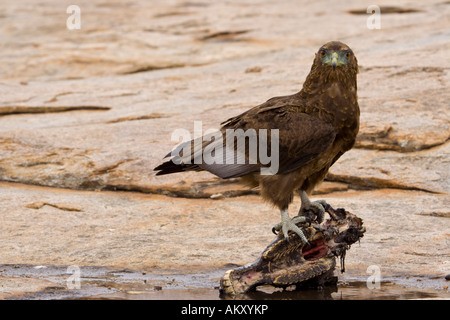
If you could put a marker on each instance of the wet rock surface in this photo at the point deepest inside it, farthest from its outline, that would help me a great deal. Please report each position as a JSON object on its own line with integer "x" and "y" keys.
{"x": 86, "y": 114}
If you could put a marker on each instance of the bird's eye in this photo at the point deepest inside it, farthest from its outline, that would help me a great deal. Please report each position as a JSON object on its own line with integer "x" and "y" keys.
{"x": 323, "y": 53}
{"x": 347, "y": 55}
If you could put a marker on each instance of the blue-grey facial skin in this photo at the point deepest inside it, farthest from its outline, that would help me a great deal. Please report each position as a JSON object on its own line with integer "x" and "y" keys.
{"x": 333, "y": 58}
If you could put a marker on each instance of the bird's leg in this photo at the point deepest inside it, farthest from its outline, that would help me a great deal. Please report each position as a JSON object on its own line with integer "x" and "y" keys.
{"x": 287, "y": 224}
{"x": 317, "y": 207}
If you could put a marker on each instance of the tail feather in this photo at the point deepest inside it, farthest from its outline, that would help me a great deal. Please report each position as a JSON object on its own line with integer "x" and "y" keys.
{"x": 169, "y": 167}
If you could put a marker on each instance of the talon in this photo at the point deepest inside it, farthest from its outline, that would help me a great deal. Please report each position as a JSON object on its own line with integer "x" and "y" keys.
{"x": 287, "y": 224}
{"x": 317, "y": 207}
{"x": 307, "y": 245}
{"x": 326, "y": 206}
{"x": 300, "y": 219}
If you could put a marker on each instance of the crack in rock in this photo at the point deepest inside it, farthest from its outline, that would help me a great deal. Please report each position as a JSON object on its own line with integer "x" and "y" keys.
{"x": 8, "y": 110}
{"x": 224, "y": 35}
{"x": 387, "y": 144}
{"x": 197, "y": 190}
{"x": 108, "y": 169}
{"x": 147, "y": 68}
{"x": 64, "y": 207}
{"x": 386, "y": 10}
{"x": 143, "y": 117}
{"x": 366, "y": 183}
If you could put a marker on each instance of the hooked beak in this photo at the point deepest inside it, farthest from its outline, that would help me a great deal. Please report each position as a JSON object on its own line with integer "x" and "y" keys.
{"x": 334, "y": 59}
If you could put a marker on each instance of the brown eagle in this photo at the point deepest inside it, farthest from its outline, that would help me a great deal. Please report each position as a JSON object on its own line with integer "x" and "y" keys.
{"x": 314, "y": 128}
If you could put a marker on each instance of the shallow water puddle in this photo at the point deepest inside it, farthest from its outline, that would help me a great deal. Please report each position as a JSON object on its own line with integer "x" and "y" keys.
{"x": 105, "y": 283}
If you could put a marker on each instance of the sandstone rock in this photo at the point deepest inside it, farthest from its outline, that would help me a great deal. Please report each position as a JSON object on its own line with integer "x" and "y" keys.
{"x": 426, "y": 170}
{"x": 132, "y": 230}
{"x": 94, "y": 110}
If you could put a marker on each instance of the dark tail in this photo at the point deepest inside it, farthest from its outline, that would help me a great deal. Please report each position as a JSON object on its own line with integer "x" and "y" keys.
{"x": 169, "y": 167}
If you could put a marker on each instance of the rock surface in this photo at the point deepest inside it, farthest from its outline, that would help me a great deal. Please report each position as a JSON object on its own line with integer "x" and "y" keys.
{"x": 90, "y": 112}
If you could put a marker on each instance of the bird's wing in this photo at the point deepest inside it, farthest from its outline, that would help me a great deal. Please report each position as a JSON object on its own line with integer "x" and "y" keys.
{"x": 301, "y": 138}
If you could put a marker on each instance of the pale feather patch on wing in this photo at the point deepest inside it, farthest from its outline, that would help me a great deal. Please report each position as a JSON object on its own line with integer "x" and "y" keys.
{"x": 234, "y": 162}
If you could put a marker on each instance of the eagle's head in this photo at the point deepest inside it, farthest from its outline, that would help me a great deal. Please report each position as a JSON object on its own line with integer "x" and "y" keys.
{"x": 337, "y": 56}
{"x": 334, "y": 63}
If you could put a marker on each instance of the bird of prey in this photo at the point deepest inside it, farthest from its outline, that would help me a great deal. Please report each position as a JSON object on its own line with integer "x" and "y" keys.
{"x": 315, "y": 127}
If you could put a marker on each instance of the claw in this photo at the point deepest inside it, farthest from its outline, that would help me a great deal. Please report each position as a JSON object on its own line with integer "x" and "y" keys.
{"x": 317, "y": 207}
{"x": 287, "y": 224}
{"x": 307, "y": 245}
